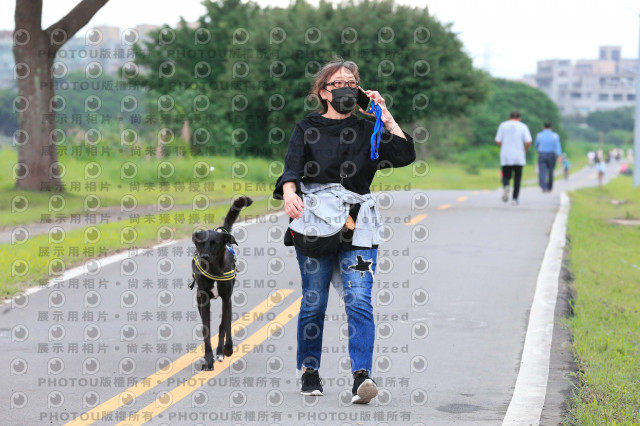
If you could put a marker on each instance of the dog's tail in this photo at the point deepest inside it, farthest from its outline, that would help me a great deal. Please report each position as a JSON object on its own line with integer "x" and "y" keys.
{"x": 234, "y": 211}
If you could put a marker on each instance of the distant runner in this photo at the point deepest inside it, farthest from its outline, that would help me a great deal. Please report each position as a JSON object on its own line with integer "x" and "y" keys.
{"x": 514, "y": 140}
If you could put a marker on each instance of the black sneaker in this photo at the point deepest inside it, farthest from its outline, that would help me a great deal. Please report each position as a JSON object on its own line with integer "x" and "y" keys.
{"x": 364, "y": 388}
{"x": 311, "y": 383}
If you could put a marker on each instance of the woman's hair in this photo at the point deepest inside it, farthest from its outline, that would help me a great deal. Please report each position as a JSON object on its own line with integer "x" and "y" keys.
{"x": 326, "y": 72}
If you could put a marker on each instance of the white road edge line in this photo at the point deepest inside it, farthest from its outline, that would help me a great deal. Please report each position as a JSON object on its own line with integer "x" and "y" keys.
{"x": 83, "y": 269}
{"x": 529, "y": 394}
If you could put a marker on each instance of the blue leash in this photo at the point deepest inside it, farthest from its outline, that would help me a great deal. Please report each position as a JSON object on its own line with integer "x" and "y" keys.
{"x": 377, "y": 129}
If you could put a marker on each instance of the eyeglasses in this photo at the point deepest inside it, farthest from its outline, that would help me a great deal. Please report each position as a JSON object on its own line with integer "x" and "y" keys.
{"x": 339, "y": 84}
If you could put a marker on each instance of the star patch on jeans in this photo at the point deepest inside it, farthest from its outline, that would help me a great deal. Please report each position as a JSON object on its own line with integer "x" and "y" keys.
{"x": 362, "y": 266}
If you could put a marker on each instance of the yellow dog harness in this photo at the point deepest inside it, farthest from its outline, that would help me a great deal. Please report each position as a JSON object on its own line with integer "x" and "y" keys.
{"x": 226, "y": 276}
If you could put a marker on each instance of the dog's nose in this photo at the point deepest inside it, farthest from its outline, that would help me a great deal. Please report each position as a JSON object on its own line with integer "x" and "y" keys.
{"x": 205, "y": 256}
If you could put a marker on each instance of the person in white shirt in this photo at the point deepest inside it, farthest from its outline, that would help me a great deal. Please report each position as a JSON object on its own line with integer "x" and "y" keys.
{"x": 514, "y": 140}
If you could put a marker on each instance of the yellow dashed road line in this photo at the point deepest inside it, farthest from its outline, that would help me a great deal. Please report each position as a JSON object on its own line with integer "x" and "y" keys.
{"x": 168, "y": 399}
{"x": 417, "y": 219}
{"x": 176, "y": 366}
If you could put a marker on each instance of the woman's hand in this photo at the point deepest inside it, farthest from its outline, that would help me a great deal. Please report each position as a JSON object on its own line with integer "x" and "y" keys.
{"x": 350, "y": 224}
{"x": 293, "y": 205}
{"x": 387, "y": 118}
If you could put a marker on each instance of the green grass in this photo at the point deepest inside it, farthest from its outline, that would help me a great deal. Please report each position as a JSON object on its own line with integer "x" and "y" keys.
{"x": 218, "y": 185}
{"x": 605, "y": 261}
{"x": 146, "y": 186}
{"x": 437, "y": 176}
{"x": 38, "y": 258}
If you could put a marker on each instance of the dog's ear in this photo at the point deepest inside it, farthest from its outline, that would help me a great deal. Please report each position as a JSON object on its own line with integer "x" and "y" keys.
{"x": 198, "y": 237}
{"x": 230, "y": 239}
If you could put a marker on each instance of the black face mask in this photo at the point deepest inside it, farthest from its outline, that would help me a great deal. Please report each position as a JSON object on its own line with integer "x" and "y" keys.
{"x": 344, "y": 99}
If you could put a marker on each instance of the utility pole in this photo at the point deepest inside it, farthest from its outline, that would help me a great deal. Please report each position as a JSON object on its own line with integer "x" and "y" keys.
{"x": 487, "y": 57}
{"x": 636, "y": 137}
{"x": 601, "y": 145}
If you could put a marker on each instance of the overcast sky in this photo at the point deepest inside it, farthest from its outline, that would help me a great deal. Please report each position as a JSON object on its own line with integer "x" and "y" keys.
{"x": 511, "y": 35}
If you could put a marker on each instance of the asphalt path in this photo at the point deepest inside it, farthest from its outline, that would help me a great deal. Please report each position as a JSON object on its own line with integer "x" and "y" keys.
{"x": 120, "y": 342}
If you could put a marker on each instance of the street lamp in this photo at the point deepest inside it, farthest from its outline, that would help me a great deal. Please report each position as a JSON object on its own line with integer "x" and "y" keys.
{"x": 636, "y": 133}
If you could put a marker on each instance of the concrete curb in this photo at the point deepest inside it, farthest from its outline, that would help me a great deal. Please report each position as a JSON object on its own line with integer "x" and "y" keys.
{"x": 529, "y": 394}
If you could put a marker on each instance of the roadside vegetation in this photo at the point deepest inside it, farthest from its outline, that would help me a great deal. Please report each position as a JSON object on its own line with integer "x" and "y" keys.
{"x": 604, "y": 231}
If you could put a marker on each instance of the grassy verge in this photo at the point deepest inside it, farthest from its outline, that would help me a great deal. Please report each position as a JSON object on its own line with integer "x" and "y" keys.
{"x": 188, "y": 178}
{"x": 605, "y": 261}
{"x": 39, "y": 258}
{"x": 435, "y": 176}
{"x": 230, "y": 176}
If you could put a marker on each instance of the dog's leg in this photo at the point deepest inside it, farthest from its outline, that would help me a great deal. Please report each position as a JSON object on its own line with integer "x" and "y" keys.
{"x": 221, "y": 331}
{"x": 226, "y": 313}
{"x": 204, "y": 306}
{"x": 225, "y": 343}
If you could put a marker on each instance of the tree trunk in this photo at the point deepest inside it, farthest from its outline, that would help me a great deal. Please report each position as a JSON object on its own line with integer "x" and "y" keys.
{"x": 185, "y": 133}
{"x": 38, "y": 157}
{"x": 34, "y": 50}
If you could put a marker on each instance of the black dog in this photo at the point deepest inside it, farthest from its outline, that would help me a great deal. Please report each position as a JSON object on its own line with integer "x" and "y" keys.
{"x": 214, "y": 271}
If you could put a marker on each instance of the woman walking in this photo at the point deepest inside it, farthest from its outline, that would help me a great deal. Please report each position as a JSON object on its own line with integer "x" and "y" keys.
{"x": 334, "y": 220}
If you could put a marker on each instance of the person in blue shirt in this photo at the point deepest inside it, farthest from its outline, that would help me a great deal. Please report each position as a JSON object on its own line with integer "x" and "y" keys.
{"x": 549, "y": 149}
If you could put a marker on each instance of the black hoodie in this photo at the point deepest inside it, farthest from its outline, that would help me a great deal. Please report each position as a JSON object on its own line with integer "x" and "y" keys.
{"x": 326, "y": 150}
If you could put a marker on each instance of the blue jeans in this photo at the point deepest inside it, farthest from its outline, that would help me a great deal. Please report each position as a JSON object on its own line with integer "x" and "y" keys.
{"x": 356, "y": 268}
{"x": 546, "y": 164}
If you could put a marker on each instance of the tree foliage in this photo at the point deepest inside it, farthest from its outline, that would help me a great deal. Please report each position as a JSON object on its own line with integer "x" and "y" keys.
{"x": 253, "y": 68}
{"x": 85, "y": 109}
{"x": 534, "y": 106}
{"x": 615, "y": 119}
{"x": 8, "y": 118}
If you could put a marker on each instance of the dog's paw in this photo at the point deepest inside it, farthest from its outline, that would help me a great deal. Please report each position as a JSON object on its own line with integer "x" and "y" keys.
{"x": 228, "y": 351}
{"x": 206, "y": 367}
{"x": 208, "y": 363}
{"x": 219, "y": 357}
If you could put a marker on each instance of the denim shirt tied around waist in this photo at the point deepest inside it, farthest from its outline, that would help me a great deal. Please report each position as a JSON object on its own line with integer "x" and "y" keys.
{"x": 326, "y": 207}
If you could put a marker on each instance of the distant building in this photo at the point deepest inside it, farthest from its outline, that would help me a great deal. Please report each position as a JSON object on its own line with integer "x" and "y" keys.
{"x": 588, "y": 84}
{"x": 6, "y": 59}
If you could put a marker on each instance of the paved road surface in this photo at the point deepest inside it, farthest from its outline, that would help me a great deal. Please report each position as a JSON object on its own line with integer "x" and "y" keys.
{"x": 454, "y": 284}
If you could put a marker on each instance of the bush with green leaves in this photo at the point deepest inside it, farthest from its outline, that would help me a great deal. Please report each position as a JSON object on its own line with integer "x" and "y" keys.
{"x": 533, "y": 104}
{"x": 241, "y": 78}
